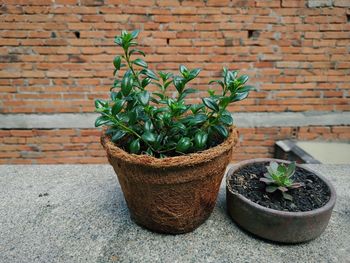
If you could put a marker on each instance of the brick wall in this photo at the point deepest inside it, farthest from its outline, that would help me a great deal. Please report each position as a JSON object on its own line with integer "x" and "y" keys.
{"x": 56, "y": 57}
{"x": 82, "y": 145}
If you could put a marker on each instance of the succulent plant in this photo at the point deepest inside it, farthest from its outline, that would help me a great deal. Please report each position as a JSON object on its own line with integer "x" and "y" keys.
{"x": 154, "y": 123}
{"x": 279, "y": 177}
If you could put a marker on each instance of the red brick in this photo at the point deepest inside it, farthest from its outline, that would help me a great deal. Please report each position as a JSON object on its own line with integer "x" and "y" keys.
{"x": 341, "y": 129}
{"x": 21, "y": 133}
{"x": 7, "y": 155}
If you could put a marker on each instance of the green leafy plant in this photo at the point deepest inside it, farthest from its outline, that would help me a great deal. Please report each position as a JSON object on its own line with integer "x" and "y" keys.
{"x": 279, "y": 177}
{"x": 154, "y": 123}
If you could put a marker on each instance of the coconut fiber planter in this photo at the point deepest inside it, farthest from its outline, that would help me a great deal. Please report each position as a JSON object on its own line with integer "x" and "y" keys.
{"x": 272, "y": 224}
{"x": 175, "y": 194}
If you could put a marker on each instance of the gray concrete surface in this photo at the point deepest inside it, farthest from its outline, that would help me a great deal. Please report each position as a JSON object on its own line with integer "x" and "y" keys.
{"x": 242, "y": 119}
{"x": 77, "y": 213}
{"x": 327, "y": 152}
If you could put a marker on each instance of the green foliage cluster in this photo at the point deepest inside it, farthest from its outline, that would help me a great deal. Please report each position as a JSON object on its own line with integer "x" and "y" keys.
{"x": 279, "y": 177}
{"x": 153, "y": 123}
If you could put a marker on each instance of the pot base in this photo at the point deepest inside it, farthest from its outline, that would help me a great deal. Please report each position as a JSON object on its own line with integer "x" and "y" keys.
{"x": 170, "y": 229}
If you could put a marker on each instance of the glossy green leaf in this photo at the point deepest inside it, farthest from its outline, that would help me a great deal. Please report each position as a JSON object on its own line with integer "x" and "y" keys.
{"x": 229, "y": 77}
{"x": 144, "y": 97}
{"x": 243, "y": 79}
{"x": 134, "y": 146}
{"x": 148, "y": 126}
{"x": 164, "y": 75}
{"x": 127, "y": 83}
{"x": 196, "y": 107}
{"x": 118, "y": 40}
{"x": 226, "y": 119}
{"x": 239, "y": 96}
{"x": 166, "y": 117}
{"x": 132, "y": 117}
{"x": 124, "y": 33}
{"x": 136, "y": 51}
{"x": 116, "y": 83}
{"x": 179, "y": 83}
{"x": 183, "y": 70}
{"x": 118, "y": 135}
{"x": 224, "y": 72}
{"x": 197, "y": 119}
{"x": 140, "y": 63}
{"x": 200, "y": 140}
{"x": 224, "y": 102}
{"x": 110, "y": 131}
{"x": 149, "y": 136}
{"x": 100, "y": 104}
{"x": 149, "y": 73}
{"x": 135, "y": 33}
{"x": 246, "y": 88}
{"x": 211, "y": 104}
{"x": 194, "y": 73}
{"x": 160, "y": 95}
{"x": 114, "y": 96}
{"x": 101, "y": 120}
{"x": 183, "y": 145}
{"x": 190, "y": 91}
{"x": 118, "y": 105}
{"x": 117, "y": 62}
{"x": 221, "y": 130}
{"x": 145, "y": 82}
{"x": 211, "y": 92}
{"x": 180, "y": 126}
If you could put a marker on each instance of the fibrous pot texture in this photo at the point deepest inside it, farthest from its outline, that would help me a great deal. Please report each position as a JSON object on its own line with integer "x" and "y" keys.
{"x": 275, "y": 225}
{"x": 175, "y": 194}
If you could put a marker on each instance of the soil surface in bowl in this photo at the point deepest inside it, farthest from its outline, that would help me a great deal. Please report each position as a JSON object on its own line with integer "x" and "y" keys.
{"x": 314, "y": 194}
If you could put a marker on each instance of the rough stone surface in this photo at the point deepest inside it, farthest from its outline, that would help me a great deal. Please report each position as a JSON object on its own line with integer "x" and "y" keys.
{"x": 77, "y": 213}
{"x": 319, "y": 3}
{"x": 341, "y": 3}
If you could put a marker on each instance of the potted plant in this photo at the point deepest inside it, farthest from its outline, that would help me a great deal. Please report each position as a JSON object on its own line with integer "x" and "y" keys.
{"x": 279, "y": 200}
{"x": 169, "y": 155}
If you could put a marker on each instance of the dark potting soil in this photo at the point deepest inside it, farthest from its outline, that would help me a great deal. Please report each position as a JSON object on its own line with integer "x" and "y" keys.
{"x": 314, "y": 194}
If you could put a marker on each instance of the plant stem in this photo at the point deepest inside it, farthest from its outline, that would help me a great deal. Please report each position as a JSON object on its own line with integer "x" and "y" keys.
{"x": 127, "y": 58}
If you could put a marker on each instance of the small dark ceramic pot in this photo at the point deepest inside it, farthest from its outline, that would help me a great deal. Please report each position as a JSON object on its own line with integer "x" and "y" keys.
{"x": 275, "y": 225}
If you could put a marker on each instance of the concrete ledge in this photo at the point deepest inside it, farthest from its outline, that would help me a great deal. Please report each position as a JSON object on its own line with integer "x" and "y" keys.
{"x": 77, "y": 213}
{"x": 251, "y": 119}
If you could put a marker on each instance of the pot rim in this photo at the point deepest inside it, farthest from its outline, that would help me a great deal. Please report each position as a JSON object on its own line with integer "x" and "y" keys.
{"x": 175, "y": 161}
{"x": 329, "y": 205}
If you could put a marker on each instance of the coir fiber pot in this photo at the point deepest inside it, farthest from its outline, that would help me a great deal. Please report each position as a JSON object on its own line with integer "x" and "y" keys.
{"x": 275, "y": 225}
{"x": 175, "y": 194}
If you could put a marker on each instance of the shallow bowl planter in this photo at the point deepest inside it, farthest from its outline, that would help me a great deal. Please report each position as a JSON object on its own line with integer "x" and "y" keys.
{"x": 275, "y": 225}
{"x": 175, "y": 194}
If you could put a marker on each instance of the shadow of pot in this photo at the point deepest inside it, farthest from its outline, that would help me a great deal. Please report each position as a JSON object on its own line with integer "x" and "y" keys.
{"x": 275, "y": 225}
{"x": 175, "y": 194}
